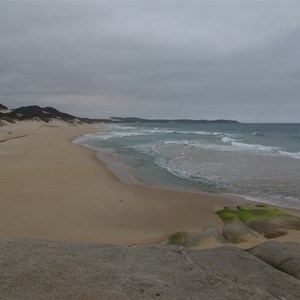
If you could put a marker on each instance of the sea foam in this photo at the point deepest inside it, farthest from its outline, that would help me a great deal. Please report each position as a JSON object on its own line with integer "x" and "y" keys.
{"x": 260, "y": 161}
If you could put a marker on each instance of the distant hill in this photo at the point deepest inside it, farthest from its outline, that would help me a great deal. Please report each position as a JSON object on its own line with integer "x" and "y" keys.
{"x": 44, "y": 114}
{"x": 176, "y": 121}
{"x": 47, "y": 114}
{"x": 3, "y": 107}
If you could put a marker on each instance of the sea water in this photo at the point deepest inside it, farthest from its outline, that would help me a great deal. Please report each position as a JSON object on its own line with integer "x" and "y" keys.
{"x": 258, "y": 161}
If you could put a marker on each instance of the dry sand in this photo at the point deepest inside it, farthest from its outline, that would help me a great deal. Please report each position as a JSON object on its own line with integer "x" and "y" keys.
{"x": 51, "y": 188}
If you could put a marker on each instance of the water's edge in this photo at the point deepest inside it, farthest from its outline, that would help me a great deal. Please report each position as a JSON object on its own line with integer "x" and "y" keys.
{"x": 123, "y": 173}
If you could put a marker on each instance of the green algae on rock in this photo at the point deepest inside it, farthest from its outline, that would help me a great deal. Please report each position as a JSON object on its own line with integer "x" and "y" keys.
{"x": 246, "y": 213}
{"x": 264, "y": 219}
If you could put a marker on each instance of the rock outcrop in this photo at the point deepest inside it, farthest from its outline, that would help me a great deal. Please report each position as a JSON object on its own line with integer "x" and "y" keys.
{"x": 266, "y": 220}
{"x": 275, "y": 226}
{"x": 207, "y": 234}
{"x": 236, "y": 232}
{"x": 282, "y": 256}
{"x": 41, "y": 269}
{"x": 192, "y": 239}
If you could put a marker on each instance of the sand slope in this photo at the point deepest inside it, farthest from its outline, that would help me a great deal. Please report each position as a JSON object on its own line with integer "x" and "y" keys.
{"x": 51, "y": 188}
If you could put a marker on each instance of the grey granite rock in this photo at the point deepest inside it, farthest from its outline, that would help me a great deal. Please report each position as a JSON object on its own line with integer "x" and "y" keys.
{"x": 274, "y": 226}
{"x": 236, "y": 232}
{"x": 282, "y": 256}
{"x": 41, "y": 269}
{"x": 206, "y": 234}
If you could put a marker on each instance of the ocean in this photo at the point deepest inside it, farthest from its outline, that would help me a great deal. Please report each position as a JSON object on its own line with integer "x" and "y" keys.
{"x": 260, "y": 162}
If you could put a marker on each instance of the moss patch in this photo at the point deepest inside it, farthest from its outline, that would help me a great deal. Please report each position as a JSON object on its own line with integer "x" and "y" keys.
{"x": 246, "y": 213}
{"x": 178, "y": 239}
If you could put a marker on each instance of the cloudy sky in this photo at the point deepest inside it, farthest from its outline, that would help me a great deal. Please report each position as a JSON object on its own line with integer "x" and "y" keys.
{"x": 173, "y": 59}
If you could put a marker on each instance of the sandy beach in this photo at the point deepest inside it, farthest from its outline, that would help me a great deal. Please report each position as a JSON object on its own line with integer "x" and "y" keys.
{"x": 54, "y": 189}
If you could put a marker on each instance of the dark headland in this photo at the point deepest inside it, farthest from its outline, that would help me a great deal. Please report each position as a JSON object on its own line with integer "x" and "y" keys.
{"x": 46, "y": 114}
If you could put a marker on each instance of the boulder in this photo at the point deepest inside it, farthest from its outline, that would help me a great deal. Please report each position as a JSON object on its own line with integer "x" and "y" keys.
{"x": 193, "y": 239}
{"x": 236, "y": 232}
{"x": 282, "y": 256}
{"x": 206, "y": 234}
{"x": 275, "y": 226}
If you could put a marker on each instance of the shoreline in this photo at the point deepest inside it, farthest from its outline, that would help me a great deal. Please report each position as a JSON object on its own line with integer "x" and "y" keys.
{"x": 123, "y": 172}
{"x": 66, "y": 193}
{"x": 52, "y": 189}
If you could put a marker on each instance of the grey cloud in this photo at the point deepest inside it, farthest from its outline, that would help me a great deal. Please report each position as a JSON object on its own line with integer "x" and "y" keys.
{"x": 153, "y": 59}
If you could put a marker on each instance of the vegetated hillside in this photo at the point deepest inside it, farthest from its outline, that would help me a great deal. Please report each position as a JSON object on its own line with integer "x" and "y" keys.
{"x": 45, "y": 114}
{"x": 3, "y": 107}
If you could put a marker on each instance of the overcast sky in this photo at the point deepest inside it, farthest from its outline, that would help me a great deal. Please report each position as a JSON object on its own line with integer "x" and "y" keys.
{"x": 173, "y": 59}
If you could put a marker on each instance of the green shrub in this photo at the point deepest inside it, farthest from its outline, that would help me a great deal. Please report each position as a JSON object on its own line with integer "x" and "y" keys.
{"x": 178, "y": 239}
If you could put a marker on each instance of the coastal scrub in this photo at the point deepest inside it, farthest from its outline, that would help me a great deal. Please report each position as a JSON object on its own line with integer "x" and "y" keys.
{"x": 178, "y": 239}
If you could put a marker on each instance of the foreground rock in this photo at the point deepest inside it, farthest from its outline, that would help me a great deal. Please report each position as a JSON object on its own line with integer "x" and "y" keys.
{"x": 40, "y": 269}
{"x": 282, "y": 256}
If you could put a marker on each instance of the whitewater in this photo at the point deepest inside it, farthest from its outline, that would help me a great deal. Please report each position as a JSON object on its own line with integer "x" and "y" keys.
{"x": 258, "y": 161}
